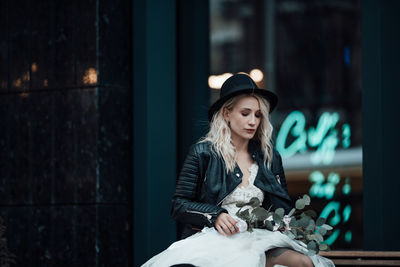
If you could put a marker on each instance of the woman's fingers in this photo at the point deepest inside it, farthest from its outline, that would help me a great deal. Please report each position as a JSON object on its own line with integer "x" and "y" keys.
{"x": 227, "y": 229}
{"x": 223, "y": 229}
{"x": 226, "y": 225}
{"x": 233, "y": 223}
{"x": 219, "y": 228}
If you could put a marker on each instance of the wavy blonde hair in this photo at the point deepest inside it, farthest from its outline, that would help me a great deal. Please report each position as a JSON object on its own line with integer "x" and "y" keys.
{"x": 220, "y": 134}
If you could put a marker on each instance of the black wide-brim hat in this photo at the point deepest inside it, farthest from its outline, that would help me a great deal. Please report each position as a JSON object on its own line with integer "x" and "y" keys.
{"x": 241, "y": 84}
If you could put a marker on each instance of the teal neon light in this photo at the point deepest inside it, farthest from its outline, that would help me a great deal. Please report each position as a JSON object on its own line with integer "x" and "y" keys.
{"x": 323, "y": 137}
{"x": 294, "y": 123}
{"x": 332, "y": 206}
{"x": 346, "y": 213}
{"x": 326, "y": 150}
{"x": 332, "y": 238}
{"x": 346, "y": 187}
{"x": 325, "y": 123}
{"x": 346, "y": 132}
{"x": 348, "y": 236}
{"x": 319, "y": 189}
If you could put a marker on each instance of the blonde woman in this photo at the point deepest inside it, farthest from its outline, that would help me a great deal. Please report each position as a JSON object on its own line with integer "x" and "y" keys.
{"x": 233, "y": 163}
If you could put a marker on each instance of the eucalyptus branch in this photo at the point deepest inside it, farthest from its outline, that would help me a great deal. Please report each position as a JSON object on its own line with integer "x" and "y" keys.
{"x": 299, "y": 225}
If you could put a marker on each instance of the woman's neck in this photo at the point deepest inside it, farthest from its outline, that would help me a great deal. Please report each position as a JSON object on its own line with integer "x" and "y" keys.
{"x": 240, "y": 145}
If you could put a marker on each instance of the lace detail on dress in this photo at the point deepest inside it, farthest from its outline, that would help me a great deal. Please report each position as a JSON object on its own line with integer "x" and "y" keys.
{"x": 243, "y": 193}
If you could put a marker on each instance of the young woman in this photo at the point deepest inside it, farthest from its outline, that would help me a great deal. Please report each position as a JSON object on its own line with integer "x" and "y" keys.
{"x": 233, "y": 163}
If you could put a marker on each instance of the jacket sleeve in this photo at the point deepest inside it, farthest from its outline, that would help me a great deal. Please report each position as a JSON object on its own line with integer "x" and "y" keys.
{"x": 186, "y": 207}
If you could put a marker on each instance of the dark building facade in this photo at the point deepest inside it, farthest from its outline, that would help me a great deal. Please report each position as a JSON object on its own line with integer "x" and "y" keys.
{"x": 66, "y": 138}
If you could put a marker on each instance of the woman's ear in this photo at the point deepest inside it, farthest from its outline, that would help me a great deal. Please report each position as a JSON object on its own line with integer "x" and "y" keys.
{"x": 226, "y": 113}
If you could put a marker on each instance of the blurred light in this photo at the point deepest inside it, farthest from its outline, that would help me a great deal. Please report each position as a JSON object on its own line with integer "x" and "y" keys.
{"x": 346, "y": 187}
{"x": 45, "y": 83}
{"x": 34, "y": 67}
{"x": 348, "y": 236}
{"x": 17, "y": 82}
{"x": 346, "y": 133}
{"x": 334, "y": 207}
{"x": 24, "y": 95}
{"x": 216, "y": 81}
{"x": 90, "y": 76}
{"x": 26, "y": 76}
{"x": 256, "y": 75}
{"x": 332, "y": 238}
{"x": 346, "y": 213}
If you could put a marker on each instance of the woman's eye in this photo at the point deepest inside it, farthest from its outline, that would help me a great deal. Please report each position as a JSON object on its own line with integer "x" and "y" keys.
{"x": 245, "y": 114}
{"x": 258, "y": 115}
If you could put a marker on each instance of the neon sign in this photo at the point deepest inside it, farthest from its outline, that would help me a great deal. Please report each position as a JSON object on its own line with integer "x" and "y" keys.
{"x": 325, "y": 188}
{"x": 323, "y": 139}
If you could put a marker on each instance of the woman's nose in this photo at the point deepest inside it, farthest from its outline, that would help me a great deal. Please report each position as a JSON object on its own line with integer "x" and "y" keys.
{"x": 252, "y": 120}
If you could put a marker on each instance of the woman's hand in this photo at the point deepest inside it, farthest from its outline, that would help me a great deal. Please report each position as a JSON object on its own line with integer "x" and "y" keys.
{"x": 226, "y": 225}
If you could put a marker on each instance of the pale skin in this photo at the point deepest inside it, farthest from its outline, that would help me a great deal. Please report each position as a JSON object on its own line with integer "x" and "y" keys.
{"x": 243, "y": 120}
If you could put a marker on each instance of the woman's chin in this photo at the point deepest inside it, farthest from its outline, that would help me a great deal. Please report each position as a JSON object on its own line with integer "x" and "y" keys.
{"x": 248, "y": 136}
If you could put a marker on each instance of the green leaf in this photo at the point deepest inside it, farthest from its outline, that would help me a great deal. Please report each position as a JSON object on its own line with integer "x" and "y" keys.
{"x": 254, "y": 202}
{"x": 260, "y": 213}
{"x": 311, "y": 213}
{"x": 323, "y": 247}
{"x": 320, "y": 221}
{"x": 277, "y": 218}
{"x": 307, "y": 199}
{"x": 280, "y": 212}
{"x": 310, "y": 227}
{"x": 245, "y": 213}
{"x": 322, "y": 231}
{"x": 312, "y": 248}
{"x": 318, "y": 238}
{"x": 312, "y": 245}
{"x": 310, "y": 237}
{"x": 300, "y": 204}
{"x": 327, "y": 227}
{"x": 293, "y": 223}
{"x": 303, "y": 222}
{"x": 291, "y": 212}
{"x": 269, "y": 225}
{"x": 241, "y": 204}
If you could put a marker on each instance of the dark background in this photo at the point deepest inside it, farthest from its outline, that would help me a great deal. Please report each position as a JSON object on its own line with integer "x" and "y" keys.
{"x": 99, "y": 101}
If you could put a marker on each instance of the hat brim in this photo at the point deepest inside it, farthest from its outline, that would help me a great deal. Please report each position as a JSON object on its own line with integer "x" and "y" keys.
{"x": 268, "y": 95}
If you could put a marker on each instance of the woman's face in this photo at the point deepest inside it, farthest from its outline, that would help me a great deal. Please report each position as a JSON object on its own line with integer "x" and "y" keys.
{"x": 244, "y": 118}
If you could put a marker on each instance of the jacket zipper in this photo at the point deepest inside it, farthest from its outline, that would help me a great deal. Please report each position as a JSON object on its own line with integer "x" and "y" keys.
{"x": 222, "y": 200}
{"x": 207, "y": 215}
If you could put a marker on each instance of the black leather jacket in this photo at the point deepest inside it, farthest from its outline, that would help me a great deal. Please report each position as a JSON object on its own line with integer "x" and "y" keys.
{"x": 204, "y": 183}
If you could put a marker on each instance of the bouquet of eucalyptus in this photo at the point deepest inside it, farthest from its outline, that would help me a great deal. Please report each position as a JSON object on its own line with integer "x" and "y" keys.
{"x": 301, "y": 225}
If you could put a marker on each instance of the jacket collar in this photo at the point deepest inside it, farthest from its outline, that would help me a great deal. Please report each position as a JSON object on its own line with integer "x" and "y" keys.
{"x": 267, "y": 181}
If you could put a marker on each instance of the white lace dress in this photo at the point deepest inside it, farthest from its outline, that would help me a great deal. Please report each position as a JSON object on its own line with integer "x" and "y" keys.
{"x": 209, "y": 248}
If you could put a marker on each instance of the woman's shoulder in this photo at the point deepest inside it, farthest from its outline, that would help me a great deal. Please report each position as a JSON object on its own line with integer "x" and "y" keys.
{"x": 201, "y": 147}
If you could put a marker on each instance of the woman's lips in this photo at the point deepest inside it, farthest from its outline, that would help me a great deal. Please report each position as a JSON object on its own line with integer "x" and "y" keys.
{"x": 250, "y": 130}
